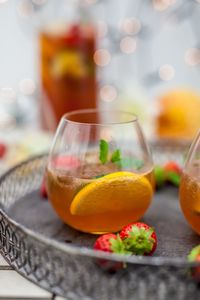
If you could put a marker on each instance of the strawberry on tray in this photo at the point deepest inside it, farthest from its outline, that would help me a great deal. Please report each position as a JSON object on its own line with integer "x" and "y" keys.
{"x": 169, "y": 173}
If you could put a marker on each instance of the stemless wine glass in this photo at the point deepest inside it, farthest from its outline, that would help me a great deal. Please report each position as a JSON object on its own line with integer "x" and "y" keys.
{"x": 190, "y": 186}
{"x": 100, "y": 170}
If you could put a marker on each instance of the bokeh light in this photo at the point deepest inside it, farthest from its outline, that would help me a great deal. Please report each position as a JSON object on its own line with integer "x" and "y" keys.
{"x": 27, "y": 86}
{"x": 3, "y": 1}
{"x": 102, "y": 57}
{"x": 192, "y": 56}
{"x": 128, "y": 45}
{"x": 166, "y": 72}
{"x": 108, "y": 93}
{"x": 102, "y": 29}
{"x": 162, "y": 4}
{"x": 25, "y": 8}
{"x": 8, "y": 94}
{"x": 130, "y": 26}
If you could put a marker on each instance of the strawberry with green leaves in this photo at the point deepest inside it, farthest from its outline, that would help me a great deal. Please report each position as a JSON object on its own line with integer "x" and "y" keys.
{"x": 159, "y": 175}
{"x": 110, "y": 243}
{"x": 194, "y": 256}
{"x": 139, "y": 238}
{"x": 172, "y": 173}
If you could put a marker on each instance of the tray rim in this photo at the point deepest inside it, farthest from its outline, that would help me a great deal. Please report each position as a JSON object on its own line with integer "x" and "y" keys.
{"x": 156, "y": 261}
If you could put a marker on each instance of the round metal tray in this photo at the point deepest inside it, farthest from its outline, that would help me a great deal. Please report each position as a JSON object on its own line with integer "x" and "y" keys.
{"x": 54, "y": 256}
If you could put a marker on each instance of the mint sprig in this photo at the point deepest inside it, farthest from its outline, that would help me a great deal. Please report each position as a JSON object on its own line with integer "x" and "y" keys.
{"x": 116, "y": 156}
{"x": 103, "y": 154}
{"x": 130, "y": 162}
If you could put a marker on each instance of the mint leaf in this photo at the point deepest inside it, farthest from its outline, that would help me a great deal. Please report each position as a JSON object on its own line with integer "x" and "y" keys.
{"x": 131, "y": 163}
{"x": 116, "y": 156}
{"x": 99, "y": 176}
{"x": 104, "y": 148}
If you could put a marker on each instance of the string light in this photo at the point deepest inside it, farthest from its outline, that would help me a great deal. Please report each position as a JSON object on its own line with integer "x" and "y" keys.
{"x": 131, "y": 26}
{"x": 102, "y": 29}
{"x": 108, "y": 93}
{"x": 102, "y": 57}
{"x": 25, "y": 9}
{"x": 166, "y": 72}
{"x": 27, "y": 86}
{"x": 128, "y": 45}
{"x": 192, "y": 56}
{"x": 162, "y": 4}
{"x": 8, "y": 93}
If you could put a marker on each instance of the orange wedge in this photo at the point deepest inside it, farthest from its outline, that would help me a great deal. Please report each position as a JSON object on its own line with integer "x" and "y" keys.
{"x": 120, "y": 191}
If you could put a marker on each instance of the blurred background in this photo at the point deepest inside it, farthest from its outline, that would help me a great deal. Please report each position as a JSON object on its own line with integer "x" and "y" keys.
{"x": 141, "y": 56}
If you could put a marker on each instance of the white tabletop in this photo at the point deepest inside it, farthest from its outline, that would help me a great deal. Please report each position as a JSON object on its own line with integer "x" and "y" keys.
{"x": 14, "y": 286}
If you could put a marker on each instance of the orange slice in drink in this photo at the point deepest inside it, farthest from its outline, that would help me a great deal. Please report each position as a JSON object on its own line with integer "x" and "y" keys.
{"x": 120, "y": 191}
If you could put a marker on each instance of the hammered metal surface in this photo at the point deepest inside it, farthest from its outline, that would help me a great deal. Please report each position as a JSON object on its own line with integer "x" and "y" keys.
{"x": 66, "y": 268}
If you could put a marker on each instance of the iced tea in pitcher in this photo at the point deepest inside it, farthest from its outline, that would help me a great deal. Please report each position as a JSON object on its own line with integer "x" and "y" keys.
{"x": 68, "y": 73}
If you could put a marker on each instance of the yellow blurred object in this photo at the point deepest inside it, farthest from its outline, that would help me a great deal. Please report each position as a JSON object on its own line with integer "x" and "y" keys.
{"x": 68, "y": 62}
{"x": 179, "y": 115}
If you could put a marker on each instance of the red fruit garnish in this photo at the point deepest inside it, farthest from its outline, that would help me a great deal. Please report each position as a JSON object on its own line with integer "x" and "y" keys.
{"x": 43, "y": 190}
{"x": 67, "y": 161}
{"x": 194, "y": 256}
{"x": 139, "y": 238}
{"x": 109, "y": 243}
{"x": 3, "y": 150}
{"x": 113, "y": 244}
{"x": 172, "y": 166}
{"x": 74, "y": 36}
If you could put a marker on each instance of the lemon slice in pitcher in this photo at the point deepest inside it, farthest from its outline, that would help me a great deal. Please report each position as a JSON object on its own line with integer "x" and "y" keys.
{"x": 120, "y": 191}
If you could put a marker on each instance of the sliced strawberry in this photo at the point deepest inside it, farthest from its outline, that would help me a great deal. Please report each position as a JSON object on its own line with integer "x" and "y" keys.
{"x": 139, "y": 238}
{"x": 67, "y": 161}
{"x": 3, "y": 150}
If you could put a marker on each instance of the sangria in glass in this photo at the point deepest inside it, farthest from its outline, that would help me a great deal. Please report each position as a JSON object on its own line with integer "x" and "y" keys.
{"x": 100, "y": 171}
{"x": 190, "y": 186}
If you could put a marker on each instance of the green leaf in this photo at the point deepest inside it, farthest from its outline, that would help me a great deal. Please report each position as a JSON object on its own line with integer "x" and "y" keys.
{"x": 118, "y": 246}
{"x": 116, "y": 156}
{"x": 103, "y": 154}
{"x": 159, "y": 175}
{"x": 99, "y": 176}
{"x": 131, "y": 163}
{"x": 192, "y": 256}
{"x": 174, "y": 178}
